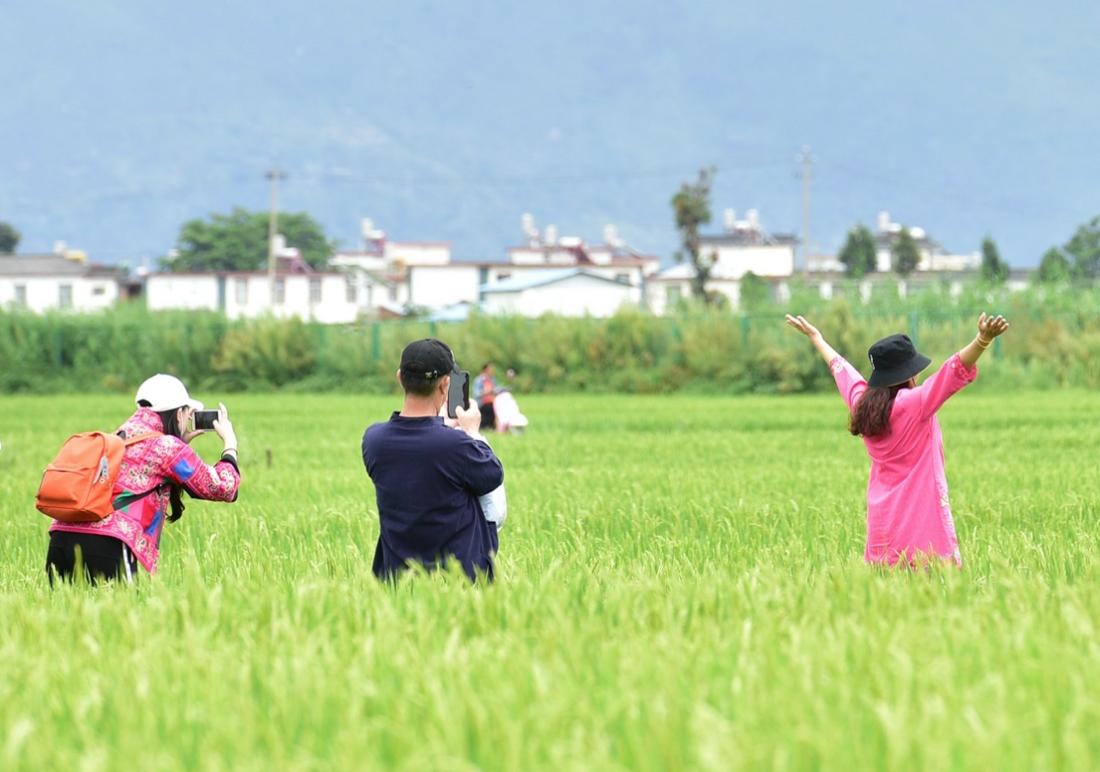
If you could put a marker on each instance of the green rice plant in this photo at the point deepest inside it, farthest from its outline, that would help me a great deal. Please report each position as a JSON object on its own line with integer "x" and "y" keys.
{"x": 681, "y": 587}
{"x": 695, "y": 349}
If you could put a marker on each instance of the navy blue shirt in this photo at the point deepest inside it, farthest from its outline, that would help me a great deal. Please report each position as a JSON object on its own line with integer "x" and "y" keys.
{"x": 427, "y": 479}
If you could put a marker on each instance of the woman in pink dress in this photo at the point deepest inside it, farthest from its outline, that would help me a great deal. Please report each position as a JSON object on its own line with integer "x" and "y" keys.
{"x": 908, "y": 513}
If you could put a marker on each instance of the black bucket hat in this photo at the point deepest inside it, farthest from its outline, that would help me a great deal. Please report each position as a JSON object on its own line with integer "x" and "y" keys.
{"x": 895, "y": 360}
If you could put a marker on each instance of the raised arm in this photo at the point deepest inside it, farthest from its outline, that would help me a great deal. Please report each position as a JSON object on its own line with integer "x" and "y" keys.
{"x": 989, "y": 327}
{"x": 958, "y": 370}
{"x": 828, "y": 353}
{"x": 849, "y": 382}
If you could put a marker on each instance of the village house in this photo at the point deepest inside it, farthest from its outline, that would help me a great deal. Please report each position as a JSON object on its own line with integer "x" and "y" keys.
{"x": 421, "y": 277}
{"x": 298, "y": 291}
{"x": 933, "y": 257}
{"x": 744, "y": 246}
{"x": 566, "y": 291}
{"x": 61, "y": 281}
{"x": 382, "y": 271}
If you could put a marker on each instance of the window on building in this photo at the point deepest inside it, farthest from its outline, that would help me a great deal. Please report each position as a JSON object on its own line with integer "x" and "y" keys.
{"x": 503, "y": 276}
{"x": 673, "y": 294}
{"x": 99, "y": 289}
{"x": 65, "y": 296}
{"x": 352, "y": 294}
{"x": 241, "y": 291}
{"x": 623, "y": 278}
{"x": 314, "y": 289}
{"x": 21, "y": 294}
{"x": 280, "y": 291}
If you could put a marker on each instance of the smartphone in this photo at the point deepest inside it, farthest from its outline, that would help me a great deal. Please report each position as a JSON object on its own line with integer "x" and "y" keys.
{"x": 459, "y": 393}
{"x": 204, "y": 419}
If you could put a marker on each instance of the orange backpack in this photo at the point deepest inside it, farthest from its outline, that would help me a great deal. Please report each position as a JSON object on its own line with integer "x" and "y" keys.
{"x": 78, "y": 486}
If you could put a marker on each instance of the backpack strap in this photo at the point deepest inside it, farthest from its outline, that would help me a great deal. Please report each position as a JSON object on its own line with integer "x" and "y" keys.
{"x": 131, "y": 441}
{"x": 139, "y": 437}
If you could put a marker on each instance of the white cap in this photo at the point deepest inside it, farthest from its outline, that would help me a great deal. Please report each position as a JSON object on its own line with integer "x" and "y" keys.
{"x": 165, "y": 392}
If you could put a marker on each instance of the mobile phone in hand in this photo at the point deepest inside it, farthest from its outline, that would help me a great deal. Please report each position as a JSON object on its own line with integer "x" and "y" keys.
{"x": 459, "y": 392}
{"x": 204, "y": 419}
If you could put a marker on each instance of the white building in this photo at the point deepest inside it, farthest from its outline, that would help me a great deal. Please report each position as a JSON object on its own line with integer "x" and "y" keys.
{"x": 743, "y": 247}
{"x": 382, "y": 270}
{"x": 421, "y": 276}
{"x": 612, "y": 258}
{"x": 322, "y": 297}
{"x": 566, "y": 291}
{"x": 933, "y": 257}
{"x": 63, "y": 281}
{"x": 433, "y": 287}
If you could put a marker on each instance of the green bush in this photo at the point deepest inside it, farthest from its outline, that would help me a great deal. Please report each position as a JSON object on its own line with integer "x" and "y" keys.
{"x": 1054, "y": 341}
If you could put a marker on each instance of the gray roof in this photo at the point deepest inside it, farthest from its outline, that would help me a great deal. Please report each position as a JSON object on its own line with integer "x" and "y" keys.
{"x": 748, "y": 238}
{"x": 53, "y": 265}
{"x": 542, "y": 278}
{"x": 889, "y": 238}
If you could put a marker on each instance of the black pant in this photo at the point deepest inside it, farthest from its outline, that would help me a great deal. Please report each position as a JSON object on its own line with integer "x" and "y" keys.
{"x": 103, "y": 557}
{"x": 488, "y": 415}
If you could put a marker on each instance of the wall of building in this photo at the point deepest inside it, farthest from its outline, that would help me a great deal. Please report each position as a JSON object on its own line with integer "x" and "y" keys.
{"x": 45, "y": 293}
{"x": 311, "y": 297}
{"x": 439, "y": 286}
{"x": 417, "y": 254}
{"x": 189, "y": 292}
{"x": 763, "y": 260}
{"x": 576, "y": 296}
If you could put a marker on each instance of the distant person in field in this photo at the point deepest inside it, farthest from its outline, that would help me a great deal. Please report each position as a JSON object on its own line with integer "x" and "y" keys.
{"x": 485, "y": 393}
{"x": 154, "y": 473}
{"x": 908, "y": 512}
{"x": 429, "y": 478}
{"x": 499, "y": 409}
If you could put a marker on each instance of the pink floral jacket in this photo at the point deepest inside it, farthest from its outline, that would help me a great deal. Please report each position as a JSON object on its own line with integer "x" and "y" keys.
{"x": 153, "y": 465}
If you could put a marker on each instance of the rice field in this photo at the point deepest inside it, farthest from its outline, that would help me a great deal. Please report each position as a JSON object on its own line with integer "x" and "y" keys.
{"x": 680, "y": 587}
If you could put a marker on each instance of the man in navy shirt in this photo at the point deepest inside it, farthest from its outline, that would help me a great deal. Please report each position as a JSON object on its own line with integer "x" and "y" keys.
{"x": 428, "y": 476}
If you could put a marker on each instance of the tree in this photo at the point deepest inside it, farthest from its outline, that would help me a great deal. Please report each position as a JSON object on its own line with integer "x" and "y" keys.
{"x": 755, "y": 291}
{"x": 858, "y": 253}
{"x": 238, "y": 241}
{"x": 9, "y": 238}
{"x": 994, "y": 269}
{"x": 906, "y": 254}
{"x": 1053, "y": 268}
{"x": 691, "y": 207}
{"x": 1084, "y": 249}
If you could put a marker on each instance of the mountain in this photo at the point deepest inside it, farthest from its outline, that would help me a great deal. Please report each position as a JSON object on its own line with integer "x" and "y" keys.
{"x": 121, "y": 119}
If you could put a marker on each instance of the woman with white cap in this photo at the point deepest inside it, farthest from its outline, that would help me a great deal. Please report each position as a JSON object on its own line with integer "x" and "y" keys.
{"x": 908, "y": 513}
{"x": 155, "y": 470}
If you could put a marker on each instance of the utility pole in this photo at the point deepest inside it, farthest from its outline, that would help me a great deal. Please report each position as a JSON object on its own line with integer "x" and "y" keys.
{"x": 274, "y": 176}
{"x": 807, "y": 170}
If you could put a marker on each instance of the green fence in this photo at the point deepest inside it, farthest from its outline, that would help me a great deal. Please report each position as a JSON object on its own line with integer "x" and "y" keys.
{"x": 697, "y": 349}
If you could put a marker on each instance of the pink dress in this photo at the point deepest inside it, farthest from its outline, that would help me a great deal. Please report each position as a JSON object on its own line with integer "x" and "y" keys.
{"x": 908, "y": 512}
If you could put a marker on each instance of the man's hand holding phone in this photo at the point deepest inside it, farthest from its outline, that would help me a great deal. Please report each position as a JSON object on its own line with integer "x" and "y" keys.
{"x": 469, "y": 421}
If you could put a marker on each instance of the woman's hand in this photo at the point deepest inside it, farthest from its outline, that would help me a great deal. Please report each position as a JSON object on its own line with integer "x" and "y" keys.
{"x": 186, "y": 420}
{"x": 223, "y": 427}
{"x": 799, "y": 323}
{"x": 989, "y": 327}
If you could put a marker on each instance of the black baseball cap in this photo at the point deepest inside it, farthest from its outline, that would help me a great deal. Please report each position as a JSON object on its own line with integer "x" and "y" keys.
{"x": 895, "y": 360}
{"x": 428, "y": 359}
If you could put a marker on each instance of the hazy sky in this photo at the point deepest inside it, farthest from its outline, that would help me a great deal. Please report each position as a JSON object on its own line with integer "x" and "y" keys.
{"x": 120, "y": 120}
